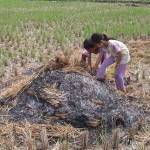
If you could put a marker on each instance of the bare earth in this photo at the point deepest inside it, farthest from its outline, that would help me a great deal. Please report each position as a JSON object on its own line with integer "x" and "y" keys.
{"x": 138, "y": 89}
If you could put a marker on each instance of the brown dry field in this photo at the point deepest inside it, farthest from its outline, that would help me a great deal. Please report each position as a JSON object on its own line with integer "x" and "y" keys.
{"x": 13, "y": 135}
{"x": 138, "y": 69}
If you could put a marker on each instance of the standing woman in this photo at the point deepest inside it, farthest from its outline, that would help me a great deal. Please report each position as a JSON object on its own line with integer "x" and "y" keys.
{"x": 119, "y": 54}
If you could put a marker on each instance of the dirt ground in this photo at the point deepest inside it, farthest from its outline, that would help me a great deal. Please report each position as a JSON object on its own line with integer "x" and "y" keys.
{"x": 139, "y": 68}
{"x": 138, "y": 83}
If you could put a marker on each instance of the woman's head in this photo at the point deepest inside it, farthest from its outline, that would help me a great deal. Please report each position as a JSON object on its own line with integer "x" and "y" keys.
{"x": 100, "y": 40}
{"x": 89, "y": 46}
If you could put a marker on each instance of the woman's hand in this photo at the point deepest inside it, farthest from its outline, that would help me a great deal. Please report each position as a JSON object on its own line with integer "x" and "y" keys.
{"x": 94, "y": 68}
{"x": 89, "y": 68}
{"x": 93, "y": 71}
{"x": 100, "y": 55}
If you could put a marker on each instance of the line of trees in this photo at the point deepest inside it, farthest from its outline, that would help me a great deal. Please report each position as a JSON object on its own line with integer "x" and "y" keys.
{"x": 110, "y": 1}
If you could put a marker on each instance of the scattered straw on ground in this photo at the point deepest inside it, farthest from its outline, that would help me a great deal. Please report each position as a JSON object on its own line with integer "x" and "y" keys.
{"x": 15, "y": 87}
{"x": 31, "y": 135}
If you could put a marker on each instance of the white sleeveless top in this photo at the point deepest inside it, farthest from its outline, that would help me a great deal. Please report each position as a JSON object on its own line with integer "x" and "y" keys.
{"x": 115, "y": 46}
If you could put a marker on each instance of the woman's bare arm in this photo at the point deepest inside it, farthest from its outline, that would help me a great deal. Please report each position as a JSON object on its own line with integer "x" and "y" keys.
{"x": 118, "y": 58}
{"x": 100, "y": 55}
{"x": 89, "y": 63}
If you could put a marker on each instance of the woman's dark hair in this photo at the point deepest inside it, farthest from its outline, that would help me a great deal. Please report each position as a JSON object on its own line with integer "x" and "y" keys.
{"x": 87, "y": 44}
{"x": 97, "y": 37}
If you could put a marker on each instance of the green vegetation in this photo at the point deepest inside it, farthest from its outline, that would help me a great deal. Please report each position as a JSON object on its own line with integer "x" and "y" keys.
{"x": 132, "y": 1}
{"x": 123, "y": 1}
{"x": 31, "y": 29}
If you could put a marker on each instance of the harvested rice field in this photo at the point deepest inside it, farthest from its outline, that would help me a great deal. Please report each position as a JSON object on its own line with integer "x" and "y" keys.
{"x": 47, "y": 100}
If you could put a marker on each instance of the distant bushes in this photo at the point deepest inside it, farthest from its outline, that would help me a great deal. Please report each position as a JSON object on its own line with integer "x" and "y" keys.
{"x": 111, "y": 1}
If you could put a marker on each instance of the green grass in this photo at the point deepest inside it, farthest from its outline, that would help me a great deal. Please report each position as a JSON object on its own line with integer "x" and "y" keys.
{"x": 132, "y": 1}
{"x": 27, "y": 28}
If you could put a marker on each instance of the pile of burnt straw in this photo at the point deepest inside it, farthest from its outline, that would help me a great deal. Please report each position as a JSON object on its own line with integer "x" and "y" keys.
{"x": 58, "y": 93}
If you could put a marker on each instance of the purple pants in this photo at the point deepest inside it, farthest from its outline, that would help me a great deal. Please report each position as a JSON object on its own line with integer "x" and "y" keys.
{"x": 119, "y": 74}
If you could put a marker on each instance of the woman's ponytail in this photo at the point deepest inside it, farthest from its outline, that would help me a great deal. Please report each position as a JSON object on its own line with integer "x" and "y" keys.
{"x": 97, "y": 37}
{"x": 105, "y": 37}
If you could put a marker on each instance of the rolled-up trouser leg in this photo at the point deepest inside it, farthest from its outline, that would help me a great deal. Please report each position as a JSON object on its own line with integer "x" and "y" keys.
{"x": 107, "y": 62}
{"x": 119, "y": 76}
